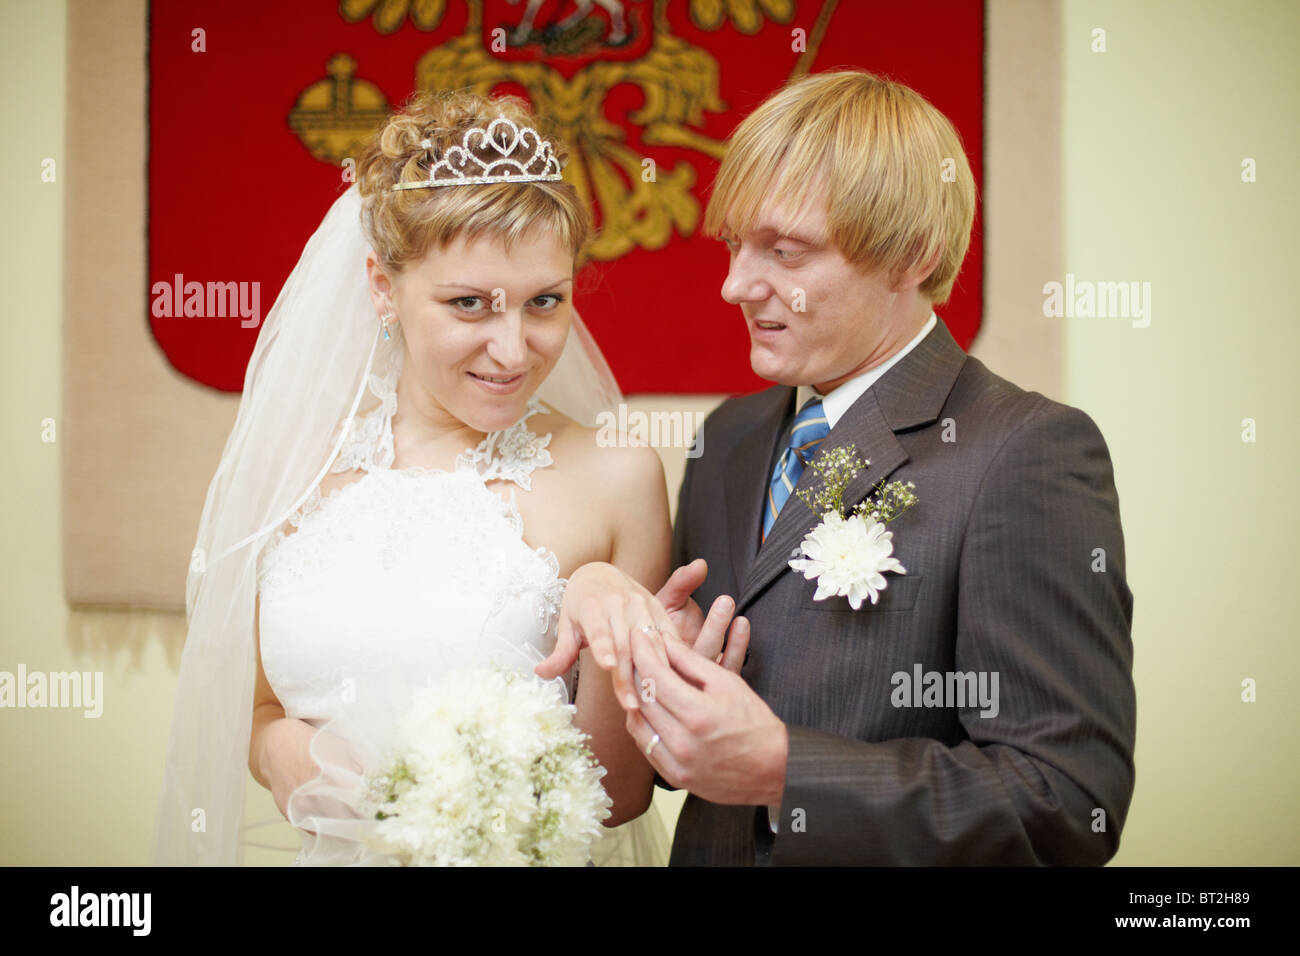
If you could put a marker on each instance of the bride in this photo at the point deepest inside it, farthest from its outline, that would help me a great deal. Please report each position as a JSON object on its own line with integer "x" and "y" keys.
{"x": 339, "y": 546}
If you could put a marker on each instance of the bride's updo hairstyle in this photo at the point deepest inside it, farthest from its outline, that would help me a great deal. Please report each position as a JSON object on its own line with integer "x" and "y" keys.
{"x": 404, "y": 224}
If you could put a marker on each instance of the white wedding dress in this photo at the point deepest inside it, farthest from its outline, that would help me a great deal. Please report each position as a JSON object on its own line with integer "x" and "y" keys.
{"x": 392, "y": 579}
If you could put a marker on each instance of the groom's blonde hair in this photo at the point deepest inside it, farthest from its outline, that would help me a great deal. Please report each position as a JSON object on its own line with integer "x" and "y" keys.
{"x": 888, "y": 165}
{"x": 403, "y": 225}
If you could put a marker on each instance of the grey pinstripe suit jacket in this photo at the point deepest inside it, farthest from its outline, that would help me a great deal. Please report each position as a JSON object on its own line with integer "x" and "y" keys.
{"x": 1000, "y": 552}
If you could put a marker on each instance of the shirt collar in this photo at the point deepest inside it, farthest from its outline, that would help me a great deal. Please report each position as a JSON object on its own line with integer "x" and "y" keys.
{"x": 841, "y": 399}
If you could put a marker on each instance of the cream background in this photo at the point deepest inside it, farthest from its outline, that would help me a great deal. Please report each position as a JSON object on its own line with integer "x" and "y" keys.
{"x": 1154, "y": 135}
{"x": 1153, "y": 132}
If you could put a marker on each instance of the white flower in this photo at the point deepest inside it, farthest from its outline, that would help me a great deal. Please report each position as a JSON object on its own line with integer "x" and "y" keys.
{"x": 848, "y": 557}
{"x": 488, "y": 770}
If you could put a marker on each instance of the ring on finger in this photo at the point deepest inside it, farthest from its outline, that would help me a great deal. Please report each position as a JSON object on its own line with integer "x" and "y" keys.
{"x": 647, "y": 628}
{"x": 654, "y": 742}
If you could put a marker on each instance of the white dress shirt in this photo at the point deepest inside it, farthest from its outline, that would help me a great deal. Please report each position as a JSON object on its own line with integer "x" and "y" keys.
{"x": 839, "y": 401}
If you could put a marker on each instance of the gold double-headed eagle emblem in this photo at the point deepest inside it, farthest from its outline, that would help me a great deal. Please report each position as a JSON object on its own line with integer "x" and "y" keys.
{"x": 637, "y": 203}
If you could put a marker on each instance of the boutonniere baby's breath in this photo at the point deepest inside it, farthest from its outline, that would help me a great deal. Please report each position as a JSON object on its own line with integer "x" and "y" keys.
{"x": 848, "y": 555}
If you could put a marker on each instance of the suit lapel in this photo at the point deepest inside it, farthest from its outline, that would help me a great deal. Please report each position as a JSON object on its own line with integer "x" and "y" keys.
{"x": 910, "y": 394}
{"x": 746, "y": 478}
{"x": 862, "y": 426}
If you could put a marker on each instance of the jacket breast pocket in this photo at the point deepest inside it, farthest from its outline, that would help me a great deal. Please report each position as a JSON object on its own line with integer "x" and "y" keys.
{"x": 899, "y": 594}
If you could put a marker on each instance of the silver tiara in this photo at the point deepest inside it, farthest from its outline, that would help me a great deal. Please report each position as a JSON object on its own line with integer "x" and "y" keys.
{"x": 460, "y": 167}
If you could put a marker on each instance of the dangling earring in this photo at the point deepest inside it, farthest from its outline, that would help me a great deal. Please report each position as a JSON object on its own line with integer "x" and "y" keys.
{"x": 383, "y": 320}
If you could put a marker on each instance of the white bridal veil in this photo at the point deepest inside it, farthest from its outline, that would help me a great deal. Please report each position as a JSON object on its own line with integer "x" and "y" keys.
{"x": 307, "y": 375}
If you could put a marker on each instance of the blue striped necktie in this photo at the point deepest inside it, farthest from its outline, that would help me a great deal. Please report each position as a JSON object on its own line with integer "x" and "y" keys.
{"x": 809, "y": 431}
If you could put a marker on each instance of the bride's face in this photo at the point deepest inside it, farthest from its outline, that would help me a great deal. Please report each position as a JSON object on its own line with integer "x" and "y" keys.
{"x": 483, "y": 326}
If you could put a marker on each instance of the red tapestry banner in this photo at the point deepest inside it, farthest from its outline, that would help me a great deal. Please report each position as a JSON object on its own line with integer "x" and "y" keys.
{"x": 256, "y": 110}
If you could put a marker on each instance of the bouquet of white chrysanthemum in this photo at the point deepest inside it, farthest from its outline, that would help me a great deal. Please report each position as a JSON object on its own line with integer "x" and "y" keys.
{"x": 487, "y": 769}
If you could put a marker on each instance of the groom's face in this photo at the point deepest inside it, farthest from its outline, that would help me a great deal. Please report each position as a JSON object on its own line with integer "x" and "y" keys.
{"x": 814, "y": 318}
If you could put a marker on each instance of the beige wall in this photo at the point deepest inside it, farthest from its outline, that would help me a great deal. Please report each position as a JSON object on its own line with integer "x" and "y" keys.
{"x": 1154, "y": 132}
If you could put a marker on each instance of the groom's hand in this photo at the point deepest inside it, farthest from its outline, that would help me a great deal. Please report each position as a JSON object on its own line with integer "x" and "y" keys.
{"x": 717, "y": 738}
{"x": 708, "y": 635}
{"x": 676, "y": 598}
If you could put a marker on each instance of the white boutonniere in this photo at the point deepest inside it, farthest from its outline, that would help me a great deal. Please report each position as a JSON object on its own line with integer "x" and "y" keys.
{"x": 848, "y": 555}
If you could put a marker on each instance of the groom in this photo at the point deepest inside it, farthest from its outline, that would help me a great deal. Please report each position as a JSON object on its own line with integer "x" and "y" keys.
{"x": 981, "y": 710}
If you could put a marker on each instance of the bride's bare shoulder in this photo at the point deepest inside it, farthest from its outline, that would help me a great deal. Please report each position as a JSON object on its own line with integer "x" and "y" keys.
{"x": 604, "y": 456}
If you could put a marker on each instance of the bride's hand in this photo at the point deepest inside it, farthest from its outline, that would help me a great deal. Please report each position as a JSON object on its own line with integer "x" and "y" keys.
{"x": 602, "y": 606}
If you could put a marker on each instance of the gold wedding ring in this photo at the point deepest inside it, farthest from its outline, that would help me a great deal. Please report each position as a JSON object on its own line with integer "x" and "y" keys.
{"x": 654, "y": 742}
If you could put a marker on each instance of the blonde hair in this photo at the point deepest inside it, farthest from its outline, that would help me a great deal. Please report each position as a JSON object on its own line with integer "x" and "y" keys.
{"x": 877, "y": 150}
{"x": 403, "y": 225}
